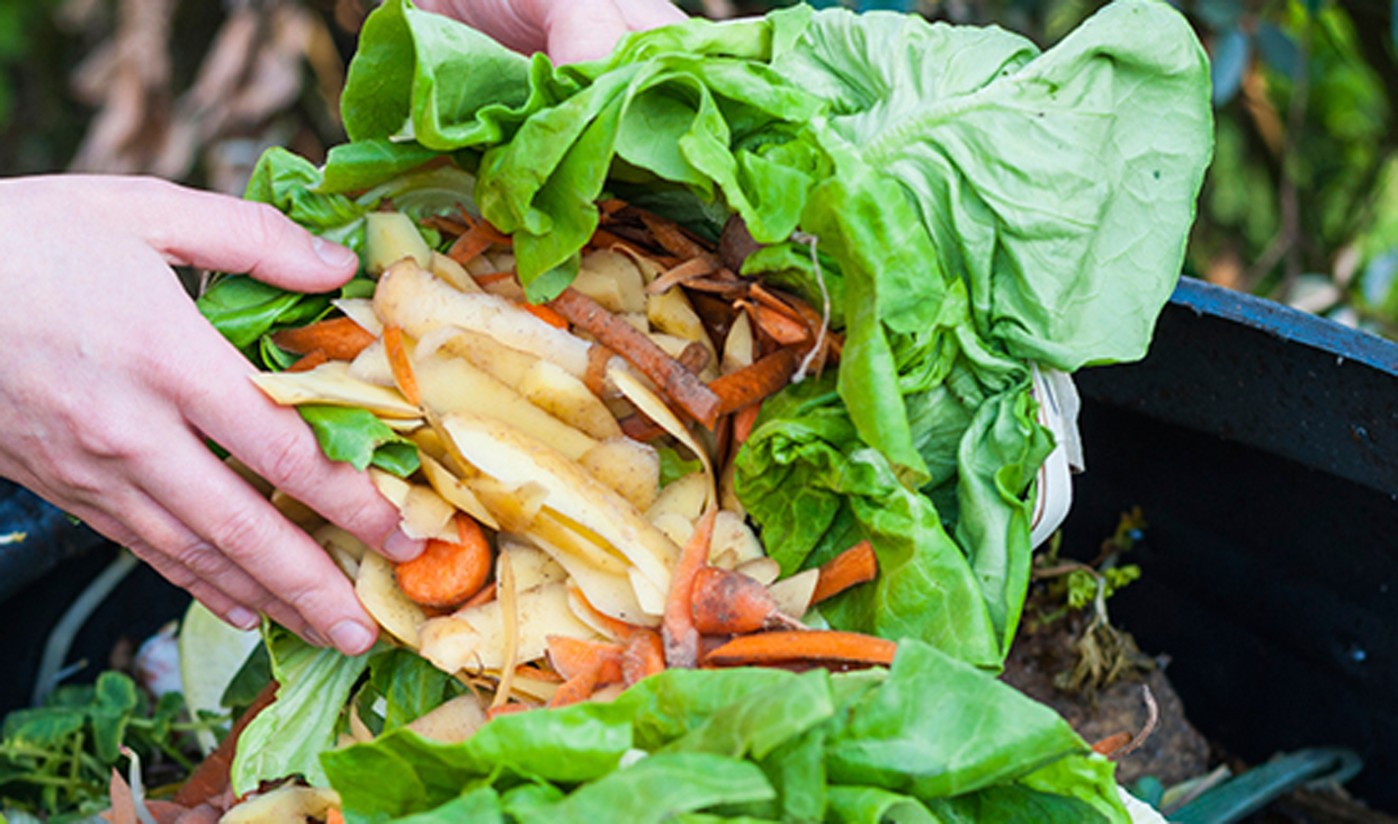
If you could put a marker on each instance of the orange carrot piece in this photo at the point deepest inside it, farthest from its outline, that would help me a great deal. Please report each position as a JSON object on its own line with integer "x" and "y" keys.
{"x": 743, "y": 422}
{"x": 578, "y": 688}
{"x": 475, "y": 240}
{"x": 1112, "y": 743}
{"x": 309, "y": 361}
{"x": 726, "y": 603}
{"x": 446, "y": 573}
{"x": 570, "y": 656}
{"x": 755, "y": 382}
{"x": 545, "y": 314}
{"x": 486, "y": 594}
{"x": 674, "y": 380}
{"x": 855, "y": 565}
{"x": 400, "y": 364}
{"x": 778, "y": 325}
{"x": 818, "y": 646}
{"x": 644, "y": 656}
{"x": 341, "y": 338}
{"x": 334, "y": 816}
{"x": 506, "y": 709}
{"x": 680, "y": 637}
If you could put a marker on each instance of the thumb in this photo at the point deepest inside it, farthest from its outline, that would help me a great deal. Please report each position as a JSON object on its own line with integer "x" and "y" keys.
{"x": 220, "y": 232}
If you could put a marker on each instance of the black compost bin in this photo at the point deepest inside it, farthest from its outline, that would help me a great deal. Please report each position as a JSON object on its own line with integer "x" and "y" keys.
{"x": 1262, "y": 446}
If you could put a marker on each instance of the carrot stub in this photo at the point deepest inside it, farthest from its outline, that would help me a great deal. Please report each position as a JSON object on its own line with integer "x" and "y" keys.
{"x": 726, "y": 602}
{"x": 334, "y": 816}
{"x": 339, "y": 338}
{"x": 855, "y": 565}
{"x": 680, "y": 637}
{"x": 400, "y": 364}
{"x": 817, "y": 646}
{"x": 447, "y": 573}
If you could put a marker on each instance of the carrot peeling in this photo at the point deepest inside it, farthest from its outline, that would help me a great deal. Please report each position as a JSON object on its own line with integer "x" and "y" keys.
{"x": 778, "y": 325}
{"x": 643, "y": 656}
{"x": 682, "y": 386}
{"x": 309, "y": 361}
{"x": 506, "y": 709}
{"x": 755, "y": 382}
{"x": 545, "y": 314}
{"x": 855, "y": 565}
{"x": 446, "y": 573}
{"x": 726, "y": 603}
{"x": 680, "y": 636}
{"x": 816, "y": 646}
{"x": 211, "y": 777}
{"x": 339, "y": 338}
{"x": 334, "y": 816}
{"x": 485, "y": 595}
{"x": 576, "y": 689}
{"x": 400, "y": 364}
{"x": 1109, "y": 745}
{"x": 743, "y": 422}
{"x": 571, "y": 656}
{"x": 476, "y": 240}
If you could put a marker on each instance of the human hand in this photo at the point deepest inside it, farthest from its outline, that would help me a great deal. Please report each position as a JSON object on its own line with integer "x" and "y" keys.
{"x": 567, "y": 30}
{"x": 111, "y": 381}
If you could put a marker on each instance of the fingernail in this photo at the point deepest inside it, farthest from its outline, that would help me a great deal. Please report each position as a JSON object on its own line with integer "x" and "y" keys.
{"x": 333, "y": 253}
{"x": 400, "y": 547}
{"x": 351, "y": 637}
{"x": 242, "y": 618}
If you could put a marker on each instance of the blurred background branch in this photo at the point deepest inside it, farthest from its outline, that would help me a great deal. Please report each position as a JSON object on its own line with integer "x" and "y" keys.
{"x": 1301, "y": 203}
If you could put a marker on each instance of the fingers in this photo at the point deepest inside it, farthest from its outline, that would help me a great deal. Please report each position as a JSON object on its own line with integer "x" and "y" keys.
{"x": 641, "y": 15}
{"x": 272, "y": 441}
{"x": 238, "y": 540}
{"x": 226, "y": 234}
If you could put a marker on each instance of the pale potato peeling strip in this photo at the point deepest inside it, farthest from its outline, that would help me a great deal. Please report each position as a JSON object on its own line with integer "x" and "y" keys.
{"x": 361, "y": 311}
{"x": 511, "y": 457}
{"x": 657, "y": 410}
{"x": 331, "y": 384}
{"x": 417, "y": 301}
{"x": 509, "y": 611}
{"x": 450, "y": 487}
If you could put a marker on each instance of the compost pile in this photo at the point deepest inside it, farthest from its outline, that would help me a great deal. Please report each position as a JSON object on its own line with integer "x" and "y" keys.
{"x": 706, "y": 369}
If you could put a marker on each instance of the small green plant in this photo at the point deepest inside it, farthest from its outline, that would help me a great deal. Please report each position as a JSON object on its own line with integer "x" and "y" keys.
{"x": 56, "y": 760}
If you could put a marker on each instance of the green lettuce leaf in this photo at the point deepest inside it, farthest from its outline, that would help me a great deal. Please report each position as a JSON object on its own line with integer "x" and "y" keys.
{"x": 357, "y": 437}
{"x": 288, "y": 737}
{"x": 930, "y": 734}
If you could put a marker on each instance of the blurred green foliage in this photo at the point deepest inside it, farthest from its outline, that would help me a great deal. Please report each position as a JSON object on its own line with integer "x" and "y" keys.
{"x": 1300, "y": 205}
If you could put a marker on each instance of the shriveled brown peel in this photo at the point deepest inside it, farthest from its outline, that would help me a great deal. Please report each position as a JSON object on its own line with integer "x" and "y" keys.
{"x": 676, "y": 382}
